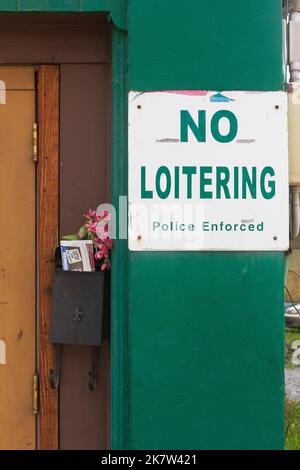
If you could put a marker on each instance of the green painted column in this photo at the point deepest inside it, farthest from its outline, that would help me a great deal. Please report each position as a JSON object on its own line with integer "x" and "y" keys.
{"x": 205, "y": 332}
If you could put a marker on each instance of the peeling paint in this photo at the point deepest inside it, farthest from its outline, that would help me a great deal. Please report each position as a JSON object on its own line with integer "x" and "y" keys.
{"x": 246, "y": 141}
{"x": 175, "y": 92}
{"x": 167, "y": 140}
{"x": 219, "y": 98}
{"x": 2, "y": 92}
{"x": 2, "y": 352}
{"x": 20, "y": 335}
{"x": 187, "y": 92}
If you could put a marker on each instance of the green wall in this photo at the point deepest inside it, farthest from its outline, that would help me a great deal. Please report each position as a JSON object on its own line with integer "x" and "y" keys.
{"x": 116, "y": 8}
{"x": 201, "y": 44}
{"x": 205, "y": 339}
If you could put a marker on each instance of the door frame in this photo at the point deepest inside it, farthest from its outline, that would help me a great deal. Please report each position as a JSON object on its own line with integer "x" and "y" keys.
{"x": 48, "y": 233}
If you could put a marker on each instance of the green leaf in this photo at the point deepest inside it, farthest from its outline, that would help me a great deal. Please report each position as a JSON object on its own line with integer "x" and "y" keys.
{"x": 82, "y": 234}
{"x": 71, "y": 237}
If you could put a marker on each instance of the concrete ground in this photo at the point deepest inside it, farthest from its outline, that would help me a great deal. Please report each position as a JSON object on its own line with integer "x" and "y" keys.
{"x": 292, "y": 383}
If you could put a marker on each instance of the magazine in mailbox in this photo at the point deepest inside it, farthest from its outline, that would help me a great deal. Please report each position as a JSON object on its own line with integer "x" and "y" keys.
{"x": 77, "y": 255}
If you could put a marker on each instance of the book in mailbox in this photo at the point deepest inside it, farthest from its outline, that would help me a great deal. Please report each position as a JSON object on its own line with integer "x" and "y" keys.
{"x": 77, "y": 255}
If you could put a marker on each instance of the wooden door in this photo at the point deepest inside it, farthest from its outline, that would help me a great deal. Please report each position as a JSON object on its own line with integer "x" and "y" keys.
{"x": 17, "y": 258}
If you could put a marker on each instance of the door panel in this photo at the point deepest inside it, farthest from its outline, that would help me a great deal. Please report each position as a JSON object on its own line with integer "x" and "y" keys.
{"x": 17, "y": 258}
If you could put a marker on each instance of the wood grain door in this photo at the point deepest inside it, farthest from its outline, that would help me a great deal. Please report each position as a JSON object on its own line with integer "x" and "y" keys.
{"x": 17, "y": 258}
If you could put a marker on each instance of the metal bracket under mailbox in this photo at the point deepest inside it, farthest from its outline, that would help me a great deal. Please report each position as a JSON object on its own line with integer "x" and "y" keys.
{"x": 55, "y": 373}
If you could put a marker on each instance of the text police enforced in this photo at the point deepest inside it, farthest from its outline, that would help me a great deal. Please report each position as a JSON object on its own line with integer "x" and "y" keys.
{"x": 208, "y": 182}
{"x": 207, "y": 227}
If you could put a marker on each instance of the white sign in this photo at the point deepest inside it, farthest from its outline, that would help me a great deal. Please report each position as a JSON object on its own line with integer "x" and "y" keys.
{"x": 208, "y": 171}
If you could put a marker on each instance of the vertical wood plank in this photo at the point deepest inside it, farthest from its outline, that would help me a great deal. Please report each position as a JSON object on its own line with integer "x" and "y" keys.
{"x": 48, "y": 214}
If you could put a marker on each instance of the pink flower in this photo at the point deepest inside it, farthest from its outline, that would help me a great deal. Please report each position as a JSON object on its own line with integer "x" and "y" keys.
{"x": 109, "y": 243}
{"x": 98, "y": 229}
{"x": 103, "y": 249}
{"x": 103, "y": 214}
{"x": 103, "y": 226}
{"x": 91, "y": 226}
{"x": 90, "y": 214}
{"x": 103, "y": 236}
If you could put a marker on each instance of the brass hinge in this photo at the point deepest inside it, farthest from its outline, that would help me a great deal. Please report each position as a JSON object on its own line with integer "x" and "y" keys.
{"x": 35, "y": 404}
{"x": 35, "y": 142}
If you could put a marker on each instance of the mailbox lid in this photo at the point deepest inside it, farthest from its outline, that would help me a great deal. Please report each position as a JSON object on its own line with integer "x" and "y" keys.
{"x": 77, "y": 307}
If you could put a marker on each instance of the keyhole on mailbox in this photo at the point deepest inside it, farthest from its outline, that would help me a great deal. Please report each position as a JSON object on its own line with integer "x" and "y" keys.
{"x": 77, "y": 315}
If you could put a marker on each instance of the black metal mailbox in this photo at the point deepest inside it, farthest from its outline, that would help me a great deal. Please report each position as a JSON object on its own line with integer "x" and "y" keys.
{"x": 77, "y": 308}
{"x": 77, "y": 313}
